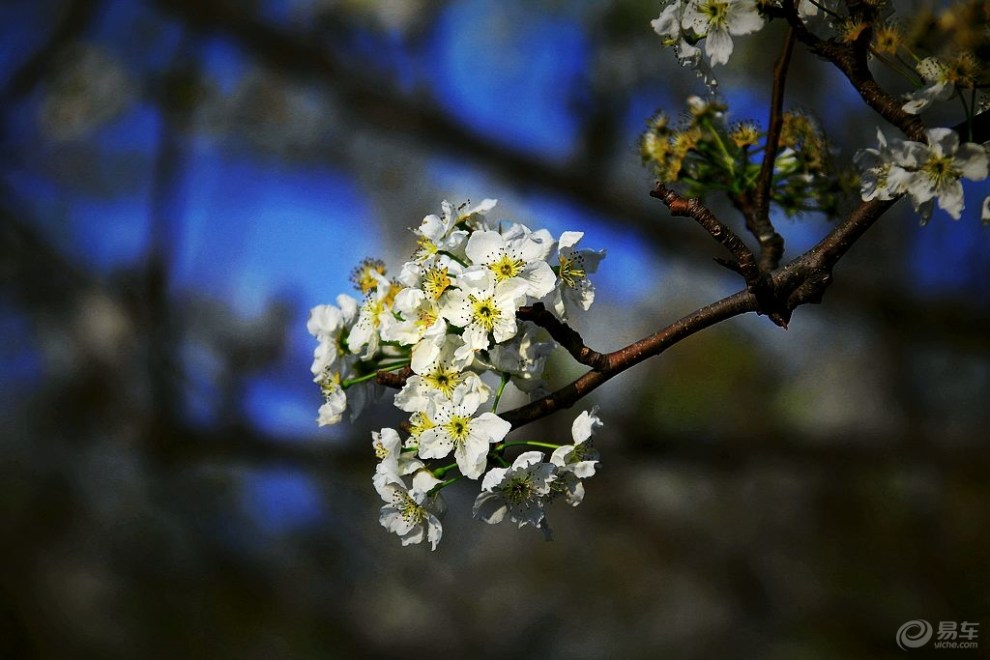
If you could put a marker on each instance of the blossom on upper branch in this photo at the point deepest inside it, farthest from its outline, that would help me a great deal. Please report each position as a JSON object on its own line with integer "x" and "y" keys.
{"x": 924, "y": 171}
{"x": 941, "y": 166}
{"x": 684, "y": 22}
{"x": 939, "y": 86}
{"x": 518, "y": 253}
{"x": 877, "y": 165}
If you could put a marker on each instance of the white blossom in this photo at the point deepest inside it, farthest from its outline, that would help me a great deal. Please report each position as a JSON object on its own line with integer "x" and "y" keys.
{"x": 393, "y": 462}
{"x": 940, "y": 166}
{"x": 579, "y": 460}
{"x": 334, "y": 399}
{"x": 374, "y": 314}
{"x": 717, "y": 20}
{"x": 439, "y": 378}
{"x": 468, "y": 437}
{"x": 877, "y": 165}
{"x": 939, "y": 86}
{"x": 484, "y": 307}
{"x": 519, "y": 253}
{"x": 328, "y": 324}
{"x": 574, "y": 290}
{"x": 669, "y": 26}
{"x": 442, "y": 233}
{"x": 411, "y": 513}
{"x": 519, "y": 491}
{"x": 523, "y": 357}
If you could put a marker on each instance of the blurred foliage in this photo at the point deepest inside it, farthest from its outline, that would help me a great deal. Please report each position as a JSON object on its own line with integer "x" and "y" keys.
{"x": 764, "y": 494}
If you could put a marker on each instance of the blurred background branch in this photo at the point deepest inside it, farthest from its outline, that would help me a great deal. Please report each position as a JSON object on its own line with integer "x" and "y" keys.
{"x": 182, "y": 181}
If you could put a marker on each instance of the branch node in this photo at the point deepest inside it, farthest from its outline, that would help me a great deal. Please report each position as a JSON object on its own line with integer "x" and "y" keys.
{"x": 564, "y": 335}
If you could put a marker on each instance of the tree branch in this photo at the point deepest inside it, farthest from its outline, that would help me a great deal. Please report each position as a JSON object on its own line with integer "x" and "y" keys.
{"x": 802, "y": 281}
{"x": 564, "y": 335}
{"x": 851, "y": 60}
{"x": 395, "y": 379}
{"x": 758, "y": 219}
{"x": 622, "y": 359}
{"x": 745, "y": 261}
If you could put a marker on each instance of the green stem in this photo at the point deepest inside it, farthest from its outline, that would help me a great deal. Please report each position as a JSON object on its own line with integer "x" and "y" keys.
{"x": 726, "y": 156}
{"x": 440, "y": 486}
{"x": 350, "y": 382}
{"x": 498, "y": 393}
{"x": 440, "y": 471}
{"x": 455, "y": 258}
{"x": 526, "y": 443}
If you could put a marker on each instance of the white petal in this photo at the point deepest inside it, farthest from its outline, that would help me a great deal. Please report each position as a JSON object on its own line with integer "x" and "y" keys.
{"x": 485, "y": 247}
{"x": 490, "y": 427}
{"x": 718, "y": 46}
{"x": 434, "y": 443}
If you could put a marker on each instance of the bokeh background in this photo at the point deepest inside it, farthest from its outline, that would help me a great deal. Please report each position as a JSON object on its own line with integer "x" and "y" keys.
{"x": 181, "y": 180}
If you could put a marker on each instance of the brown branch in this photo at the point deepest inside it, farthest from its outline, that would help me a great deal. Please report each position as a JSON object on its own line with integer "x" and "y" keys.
{"x": 802, "y": 281}
{"x": 622, "y": 359}
{"x": 396, "y": 379}
{"x": 851, "y": 60}
{"x": 745, "y": 260}
{"x": 758, "y": 220}
{"x": 564, "y": 335}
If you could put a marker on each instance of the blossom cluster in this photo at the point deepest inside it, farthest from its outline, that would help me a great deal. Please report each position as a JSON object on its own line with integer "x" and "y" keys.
{"x": 925, "y": 172}
{"x": 704, "y": 152}
{"x": 447, "y": 326}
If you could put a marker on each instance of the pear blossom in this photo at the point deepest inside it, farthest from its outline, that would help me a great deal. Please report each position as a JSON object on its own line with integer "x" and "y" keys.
{"x": 334, "y": 399}
{"x": 420, "y": 318}
{"x": 518, "y": 253}
{"x": 938, "y": 87}
{"x": 941, "y": 164}
{"x": 523, "y": 357}
{"x": 375, "y": 313}
{"x": 669, "y": 26}
{"x": 394, "y": 463}
{"x": 878, "y": 165}
{"x": 519, "y": 491}
{"x": 579, "y": 460}
{"x": 574, "y": 290}
{"x": 716, "y": 20}
{"x": 485, "y": 307}
{"x": 439, "y": 378}
{"x": 329, "y": 324}
{"x": 444, "y": 234}
{"x": 411, "y": 513}
{"x": 468, "y": 437}
{"x": 451, "y": 317}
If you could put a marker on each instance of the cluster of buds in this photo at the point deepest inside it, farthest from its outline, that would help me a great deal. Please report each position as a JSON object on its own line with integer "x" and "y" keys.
{"x": 446, "y": 329}
{"x": 704, "y": 153}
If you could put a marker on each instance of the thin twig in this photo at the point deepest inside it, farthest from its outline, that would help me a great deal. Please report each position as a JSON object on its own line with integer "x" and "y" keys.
{"x": 745, "y": 260}
{"x": 851, "y": 60}
{"x": 758, "y": 220}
